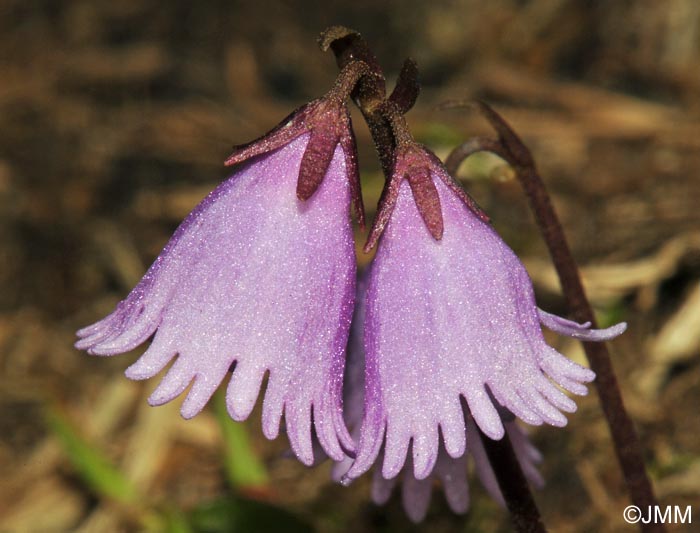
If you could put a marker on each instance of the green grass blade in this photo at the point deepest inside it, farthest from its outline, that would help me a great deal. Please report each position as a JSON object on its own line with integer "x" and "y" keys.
{"x": 89, "y": 462}
{"x": 243, "y": 467}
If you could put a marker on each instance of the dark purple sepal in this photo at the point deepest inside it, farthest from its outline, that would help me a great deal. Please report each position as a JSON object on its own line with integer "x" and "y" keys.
{"x": 421, "y": 167}
{"x": 427, "y": 200}
{"x": 316, "y": 160}
{"x": 327, "y": 120}
{"x": 387, "y": 201}
{"x": 407, "y": 87}
{"x": 349, "y": 145}
{"x": 285, "y": 132}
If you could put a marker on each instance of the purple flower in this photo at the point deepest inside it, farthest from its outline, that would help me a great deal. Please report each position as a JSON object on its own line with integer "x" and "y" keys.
{"x": 450, "y": 472}
{"x": 258, "y": 278}
{"x": 451, "y": 314}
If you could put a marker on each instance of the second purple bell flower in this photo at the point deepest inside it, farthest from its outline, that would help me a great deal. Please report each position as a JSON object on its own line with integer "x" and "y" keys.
{"x": 451, "y": 316}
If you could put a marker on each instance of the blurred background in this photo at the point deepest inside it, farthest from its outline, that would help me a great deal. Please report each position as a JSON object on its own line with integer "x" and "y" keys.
{"x": 115, "y": 118}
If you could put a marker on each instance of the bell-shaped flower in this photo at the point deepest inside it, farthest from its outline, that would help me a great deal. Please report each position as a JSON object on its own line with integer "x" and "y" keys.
{"x": 451, "y": 315}
{"x": 449, "y": 472}
{"x": 258, "y": 279}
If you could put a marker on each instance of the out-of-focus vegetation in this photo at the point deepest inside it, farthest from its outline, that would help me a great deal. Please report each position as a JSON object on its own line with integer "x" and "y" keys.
{"x": 115, "y": 118}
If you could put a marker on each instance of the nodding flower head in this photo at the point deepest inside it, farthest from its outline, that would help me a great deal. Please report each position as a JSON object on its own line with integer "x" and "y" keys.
{"x": 451, "y": 315}
{"x": 450, "y": 472}
{"x": 258, "y": 279}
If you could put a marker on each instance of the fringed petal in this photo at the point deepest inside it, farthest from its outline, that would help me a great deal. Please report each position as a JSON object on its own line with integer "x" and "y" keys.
{"x": 452, "y": 472}
{"x": 382, "y": 487}
{"x": 415, "y": 495}
{"x": 579, "y": 331}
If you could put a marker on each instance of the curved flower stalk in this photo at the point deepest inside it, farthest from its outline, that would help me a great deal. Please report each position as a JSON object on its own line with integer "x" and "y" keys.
{"x": 451, "y": 314}
{"x": 450, "y": 472}
{"x": 258, "y": 278}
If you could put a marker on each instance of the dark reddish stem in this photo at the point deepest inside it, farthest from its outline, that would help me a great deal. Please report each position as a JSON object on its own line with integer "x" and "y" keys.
{"x": 348, "y": 79}
{"x": 397, "y": 123}
{"x": 511, "y": 480}
{"x": 370, "y": 92}
{"x": 627, "y": 445}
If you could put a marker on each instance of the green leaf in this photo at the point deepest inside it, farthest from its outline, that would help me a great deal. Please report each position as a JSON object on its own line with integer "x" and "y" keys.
{"x": 614, "y": 312}
{"x": 245, "y": 516}
{"x": 243, "y": 468}
{"x": 90, "y": 464}
{"x": 176, "y": 521}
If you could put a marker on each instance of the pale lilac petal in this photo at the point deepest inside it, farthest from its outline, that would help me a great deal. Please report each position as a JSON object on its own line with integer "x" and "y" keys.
{"x": 415, "y": 495}
{"x": 176, "y": 380}
{"x": 90, "y": 330}
{"x": 243, "y": 389}
{"x": 555, "y": 396}
{"x": 154, "y": 359}
{"x": 202, "y": 389}
{"x": 561, "y": 369}
{"x": 297, "y": 416}
{"x": 453, "y": 430}
{"x": 528, "y": 456}
{"x": 574, "y": 387}
{"x": 396, "y": 447}
{"x": 546, "y": 410}
{"x": 518, "y": 407}
{"x": 579, "y": 331}
{"x": 273, "y": 405}
{"x": 453, "y": 475}
{"x": 371, "y": 435}
{"x": 354, "y": 385}
{"x": 340, "y": 468}
{"x": 425, "y": 451}
{"x": 326, "y": 432}
{"x": 253, "y": 276}
{"x": 354, "y": 380}
{"x": 345, "y": 439}
{"x": 485, "y": 413}
{"x": 382, "y": 487}
{"x": 136, "y": 333}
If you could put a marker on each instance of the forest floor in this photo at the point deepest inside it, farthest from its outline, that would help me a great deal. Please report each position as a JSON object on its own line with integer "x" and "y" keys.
{"x": 114, "y": 122}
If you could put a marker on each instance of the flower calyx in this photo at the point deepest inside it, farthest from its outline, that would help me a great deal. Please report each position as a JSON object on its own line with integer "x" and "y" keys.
{"x": 327, "y": 122}
{"x": 420, "y": 167}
